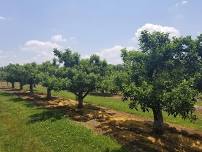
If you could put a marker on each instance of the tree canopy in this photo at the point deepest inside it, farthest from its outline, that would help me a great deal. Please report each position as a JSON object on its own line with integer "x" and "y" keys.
{"x": 83, "y": 74}
{"x": 161, "y": 76}
{"x": 52, "y": 77}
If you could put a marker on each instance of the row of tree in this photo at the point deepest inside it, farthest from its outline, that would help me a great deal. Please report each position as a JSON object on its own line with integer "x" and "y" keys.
{"x": 165, "y": 75}
{"x": 67, "y": 71}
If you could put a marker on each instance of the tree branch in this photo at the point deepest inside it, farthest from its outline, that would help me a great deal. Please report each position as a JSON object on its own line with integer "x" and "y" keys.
{"x": 86, "y": 94}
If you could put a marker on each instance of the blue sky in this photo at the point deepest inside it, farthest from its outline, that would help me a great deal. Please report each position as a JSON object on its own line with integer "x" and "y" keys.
{"x": 29, "y": 29}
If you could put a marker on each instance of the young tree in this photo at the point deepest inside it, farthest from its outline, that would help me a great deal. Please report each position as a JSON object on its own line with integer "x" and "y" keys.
{"x": 20, "y": 75}
{"x": 160, "y": 77}
{"x": 113, "y": 79}
{"x": 31, "y": 75}
{"x": 2, "y": 75}
{"x": 11, "y": 76}
{"x": 52, "y": 77}
{"x": 107, "y": 85}
{"x": 113, "y": 82}
{"x": 81, "y": 82}
{"x": 83, "y": 74}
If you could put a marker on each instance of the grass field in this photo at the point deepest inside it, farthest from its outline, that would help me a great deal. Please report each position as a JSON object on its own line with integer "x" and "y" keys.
{"x": 26, "y": 127}
{"x": 21, "y": 132}
{"x": 119, "y": 105}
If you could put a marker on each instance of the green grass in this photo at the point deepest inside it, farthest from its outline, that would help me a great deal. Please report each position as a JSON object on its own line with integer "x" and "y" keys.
{"x": 119, "y": 105}
{"x": 199, "y": 103}
{"x": 27, "y": 128}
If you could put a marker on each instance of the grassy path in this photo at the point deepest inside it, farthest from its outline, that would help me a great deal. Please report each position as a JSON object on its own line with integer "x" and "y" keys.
{"x": 20, "y": 133}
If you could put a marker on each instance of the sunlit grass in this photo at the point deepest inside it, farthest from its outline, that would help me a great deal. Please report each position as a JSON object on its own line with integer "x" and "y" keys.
{"x": 56, "y": 134}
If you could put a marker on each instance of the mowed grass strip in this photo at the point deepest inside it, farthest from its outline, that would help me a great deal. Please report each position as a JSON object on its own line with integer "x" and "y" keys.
{"x": 20, "y": 133}
{"x": 119, "y": 105}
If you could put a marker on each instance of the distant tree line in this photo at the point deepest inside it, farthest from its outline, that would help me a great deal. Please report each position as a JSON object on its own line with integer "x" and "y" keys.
{"x": 164, "y": 75}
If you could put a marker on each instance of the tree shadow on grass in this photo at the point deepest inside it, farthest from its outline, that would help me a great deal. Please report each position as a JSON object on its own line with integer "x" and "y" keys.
{"x": 56, "y": 113}
{"x": 131, "y": 134}
{"x": 48, "y": 114}
{"x": 138, "y": 136}
{"x": 101, "y": 94}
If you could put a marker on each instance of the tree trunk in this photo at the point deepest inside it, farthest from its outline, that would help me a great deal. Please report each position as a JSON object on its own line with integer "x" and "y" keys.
{"x": 21, "y": 86}
{"x": 13, "y": 85}
{"x": 102, "y": 91}
{"x": 31, "y": 88}
{"x": 158, "y": 127}
{"x": 49, "y": 93}
{"x": 80, "y": 102}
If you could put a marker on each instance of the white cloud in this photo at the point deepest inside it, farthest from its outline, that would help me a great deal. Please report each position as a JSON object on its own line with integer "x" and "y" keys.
{"x": 112, "y": 55}
{"x": 35, "y": 50}
{"x": 40, "y": 45}
{"x": 2, "y": 18}
{"x": 41, "y": 50}
{"x": 58, "y": 38}
{"x": 154, "y": 27}
{"x": 184, "y": 2}
{"x": 181, "y": 3}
